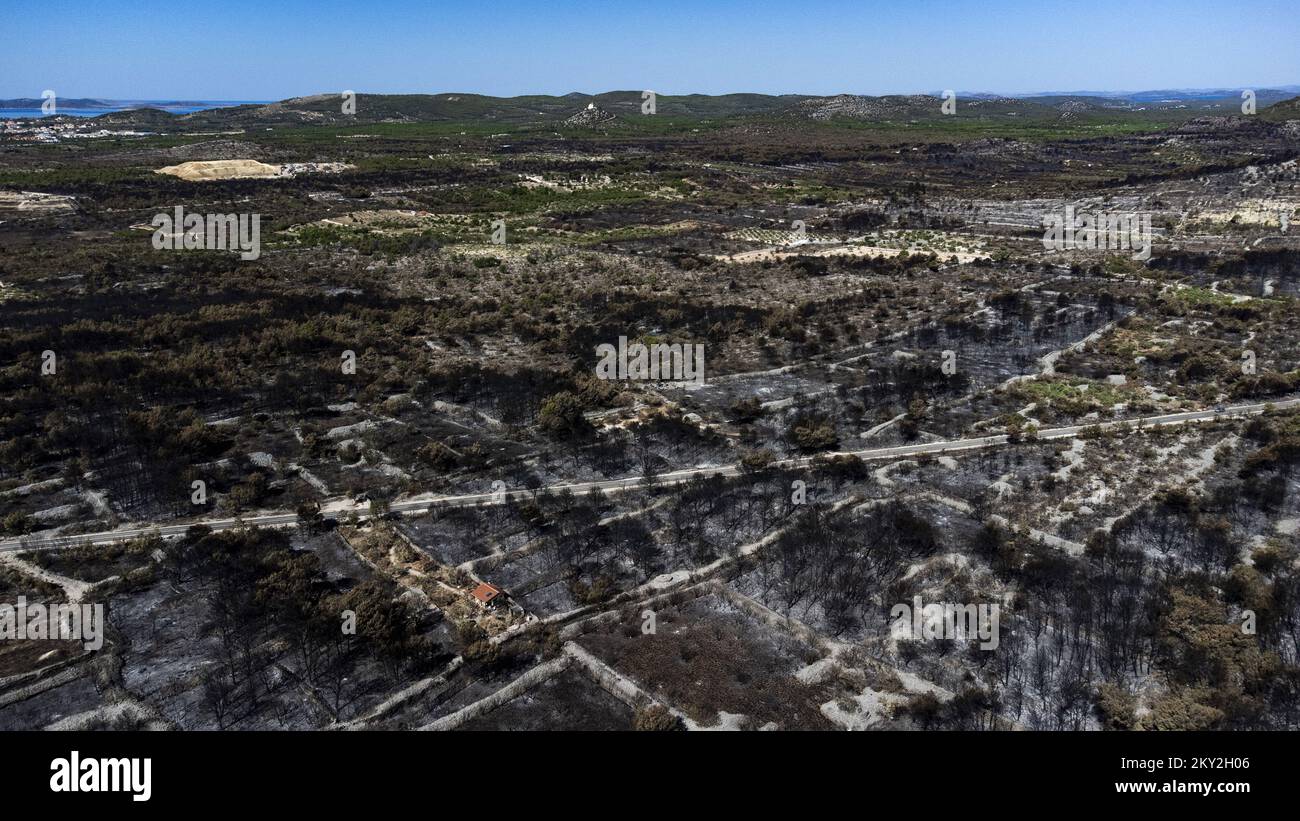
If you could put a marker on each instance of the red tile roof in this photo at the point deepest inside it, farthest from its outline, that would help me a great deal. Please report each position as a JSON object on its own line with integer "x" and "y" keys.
{"x": 486, "y": 592}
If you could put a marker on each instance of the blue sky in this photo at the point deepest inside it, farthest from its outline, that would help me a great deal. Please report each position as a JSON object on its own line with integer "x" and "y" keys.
{"x": 236, "y": 49}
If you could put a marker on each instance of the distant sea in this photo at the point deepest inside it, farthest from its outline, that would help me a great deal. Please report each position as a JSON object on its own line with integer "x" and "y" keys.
{"x": 169, "y": 107}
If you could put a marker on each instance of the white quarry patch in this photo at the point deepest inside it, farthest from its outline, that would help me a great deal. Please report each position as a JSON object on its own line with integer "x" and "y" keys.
{"x": 207, "y": 170}
{"x": 195, "y": 171}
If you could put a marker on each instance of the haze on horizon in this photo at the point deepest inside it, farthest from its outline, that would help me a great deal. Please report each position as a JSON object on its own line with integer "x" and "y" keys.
{"x": 240, "y": 50}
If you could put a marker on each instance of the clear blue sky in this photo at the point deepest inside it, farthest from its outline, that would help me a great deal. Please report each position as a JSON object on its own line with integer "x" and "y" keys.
{"x": 271, "y": 49}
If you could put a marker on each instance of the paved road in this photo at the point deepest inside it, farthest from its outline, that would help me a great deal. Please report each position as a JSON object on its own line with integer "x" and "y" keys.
{"x": 421, "y": 504}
